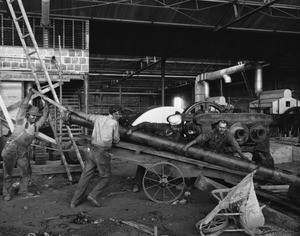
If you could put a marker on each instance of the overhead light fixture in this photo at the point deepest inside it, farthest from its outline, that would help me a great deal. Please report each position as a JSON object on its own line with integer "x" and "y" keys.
{"x": 227, "y": 78}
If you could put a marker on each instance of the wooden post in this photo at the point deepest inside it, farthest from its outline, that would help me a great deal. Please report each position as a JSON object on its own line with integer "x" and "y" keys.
{"x": 86, "y": 98}
{"x": 6, "y": 115}
{"x": 62, "y": 156}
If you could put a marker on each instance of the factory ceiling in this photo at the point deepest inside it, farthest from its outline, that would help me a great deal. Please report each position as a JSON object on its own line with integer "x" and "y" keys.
{"x": 192, "y": 36}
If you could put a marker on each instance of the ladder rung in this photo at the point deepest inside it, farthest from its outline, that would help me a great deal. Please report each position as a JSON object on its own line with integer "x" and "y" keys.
{"x": 31, "y": 53}
{"x": 19, "y": 18}
{"x": 46, "y": 86}
{"x": 11, "y": 1}
{"x": 26, "y": 35}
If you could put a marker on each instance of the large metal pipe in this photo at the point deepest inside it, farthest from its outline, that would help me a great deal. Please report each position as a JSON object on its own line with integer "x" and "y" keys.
{"x": 198, "y": 153}
{"x": 224, "y": 73}
{"x": 258, "y": 80}
{"x": 45, "y": 20}
{"x": 212, "y": 157}
{"x": 227, "y": 71}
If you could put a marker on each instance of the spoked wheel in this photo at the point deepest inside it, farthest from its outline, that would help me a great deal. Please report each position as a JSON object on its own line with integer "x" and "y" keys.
{"x": 214, "y": 227}
{"x": 163, "y": 182}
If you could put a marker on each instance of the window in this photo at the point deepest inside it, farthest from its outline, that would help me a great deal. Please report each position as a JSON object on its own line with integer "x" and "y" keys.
{"x": 72, "y": 32}
{"x": 287, "y": 104}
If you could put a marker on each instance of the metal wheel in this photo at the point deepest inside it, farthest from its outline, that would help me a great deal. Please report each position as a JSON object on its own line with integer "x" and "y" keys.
{"x": 202, "y": 108}
{"x": 163, "y": 182}
{"x": 216, "y": 224}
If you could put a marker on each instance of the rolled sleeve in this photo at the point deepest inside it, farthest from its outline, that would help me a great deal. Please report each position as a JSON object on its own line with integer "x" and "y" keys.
{"x": 232, "y": 141}
{"x": 92, "y": 118}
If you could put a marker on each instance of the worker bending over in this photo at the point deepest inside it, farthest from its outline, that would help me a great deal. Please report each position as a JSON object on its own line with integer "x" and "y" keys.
{"x": 216, "y": 140}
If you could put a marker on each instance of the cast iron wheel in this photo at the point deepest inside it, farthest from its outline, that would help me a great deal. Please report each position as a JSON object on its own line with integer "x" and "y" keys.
{"x": 202, "y": 107}
{"x": 216, "y": 224}
{"x": 163, "y": 182}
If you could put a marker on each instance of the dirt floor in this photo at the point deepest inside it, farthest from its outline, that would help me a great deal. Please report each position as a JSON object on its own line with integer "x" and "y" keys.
{"x": 49, "y": 212}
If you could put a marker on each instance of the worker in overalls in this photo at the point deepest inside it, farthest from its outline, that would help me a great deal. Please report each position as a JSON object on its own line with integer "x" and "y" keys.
{"x": 15, "y": 152}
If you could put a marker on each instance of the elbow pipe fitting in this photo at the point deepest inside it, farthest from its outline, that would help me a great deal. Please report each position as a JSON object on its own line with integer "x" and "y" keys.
{"x": 258, "y": 133}
{"x": 240, "y": 132}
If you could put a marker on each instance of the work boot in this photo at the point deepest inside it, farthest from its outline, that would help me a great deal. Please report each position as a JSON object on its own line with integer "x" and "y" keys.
{"x": 93, "y": 201}
{"x": 7, "y": 197}
{"x": 28, "y": 195}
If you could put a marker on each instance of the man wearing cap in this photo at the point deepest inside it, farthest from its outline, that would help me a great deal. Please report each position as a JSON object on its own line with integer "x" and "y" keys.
{"x": 105, "y": 133}
{"x": 216, "y": 140}
{"x": 173, "y": 130}
{"x": 28, "y": 121}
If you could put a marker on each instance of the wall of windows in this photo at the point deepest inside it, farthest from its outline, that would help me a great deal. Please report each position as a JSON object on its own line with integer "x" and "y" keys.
{"x": 73, "y": 34}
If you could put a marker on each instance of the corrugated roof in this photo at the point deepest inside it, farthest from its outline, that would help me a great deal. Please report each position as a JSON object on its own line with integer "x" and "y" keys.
{"x": 199, "y": 31}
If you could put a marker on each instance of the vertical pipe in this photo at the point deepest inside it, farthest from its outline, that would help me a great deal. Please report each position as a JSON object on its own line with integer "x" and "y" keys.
{"x": 163, "y": 67}
{"x": 206, "y": 89}
{"x": 45, "y": 37}
{"x": 86, "y": 97}
{"x": 258, "y": 80}
{"x": 60, "y": 87}
{"x": 201, "y": 90}
{"x": 87, "y": 35}
{"x": 45, "y": 22}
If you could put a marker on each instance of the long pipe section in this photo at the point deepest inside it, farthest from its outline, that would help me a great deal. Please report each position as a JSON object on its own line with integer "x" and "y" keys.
{"x": 211, "y": 157}
{"x": 258, "y": 80}
{"x": 195, "y": 152}
{"x": 227, "y": 71}
{"x": 209, "y": 76}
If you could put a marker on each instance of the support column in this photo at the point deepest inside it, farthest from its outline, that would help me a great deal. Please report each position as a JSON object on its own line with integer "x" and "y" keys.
{"x": 120, "y": 94}
{"x": 163, "y": 69}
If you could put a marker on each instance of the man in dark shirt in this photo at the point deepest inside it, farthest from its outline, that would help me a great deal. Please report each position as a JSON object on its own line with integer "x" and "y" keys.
{"x": 216, "y": 140}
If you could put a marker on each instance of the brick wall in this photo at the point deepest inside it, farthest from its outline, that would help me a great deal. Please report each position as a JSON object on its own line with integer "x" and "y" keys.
{"x": 13, "y": 61}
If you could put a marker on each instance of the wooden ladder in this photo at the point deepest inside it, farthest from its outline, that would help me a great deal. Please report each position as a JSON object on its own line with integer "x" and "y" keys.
{"x": 35, "y": 52}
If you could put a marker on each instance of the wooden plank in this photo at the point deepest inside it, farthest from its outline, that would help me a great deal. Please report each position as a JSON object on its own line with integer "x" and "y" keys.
{"x": 45, "y": 137}
{"x": 6, "y": 115}
{"x": 51, "y": 167}
{"x": 50, "y": 100}
{"x": 287, "y": 203}
{"x": 75, "y": 147}
{"x": 62, "y": 155}
{"x": 283, "y": 188}
{"x": 281, "y": 219}
{"x": 172, "y": 156}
